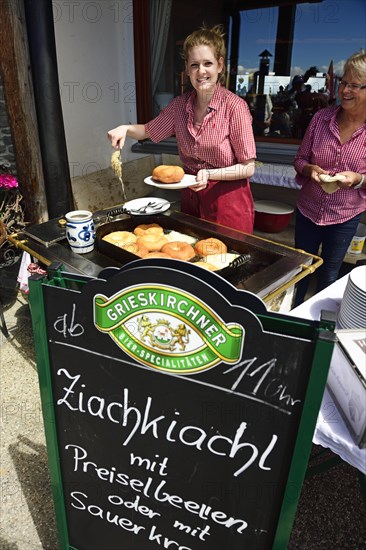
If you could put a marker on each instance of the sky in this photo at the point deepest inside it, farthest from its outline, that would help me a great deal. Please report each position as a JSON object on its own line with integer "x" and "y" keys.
{"x": 330, "y": 30}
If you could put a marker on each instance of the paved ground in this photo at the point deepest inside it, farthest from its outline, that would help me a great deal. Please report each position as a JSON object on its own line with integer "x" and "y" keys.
{"x": 331, "y": 514}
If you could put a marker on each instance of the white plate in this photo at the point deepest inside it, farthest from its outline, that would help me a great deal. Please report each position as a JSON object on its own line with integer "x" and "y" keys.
{"x": 358, "y": 277}
{"x": 352, "y": 313}
{"x": 134, "y": 206}
{"x": 187, "y": 181}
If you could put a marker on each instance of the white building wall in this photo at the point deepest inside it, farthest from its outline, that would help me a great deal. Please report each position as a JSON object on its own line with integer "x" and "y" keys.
{"x": 94, "y": 41}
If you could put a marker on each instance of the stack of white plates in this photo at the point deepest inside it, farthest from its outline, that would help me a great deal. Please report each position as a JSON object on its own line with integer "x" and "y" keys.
{"x": 352, "y": 313}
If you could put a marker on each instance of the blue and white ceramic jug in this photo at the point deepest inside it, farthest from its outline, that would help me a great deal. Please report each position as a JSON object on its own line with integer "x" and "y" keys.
{"x": 80, "y": 231}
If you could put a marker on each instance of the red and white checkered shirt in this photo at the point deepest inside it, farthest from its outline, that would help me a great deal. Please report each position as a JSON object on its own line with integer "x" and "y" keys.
{"x": 224, "y": 139}
{"x": 322, "y": 146}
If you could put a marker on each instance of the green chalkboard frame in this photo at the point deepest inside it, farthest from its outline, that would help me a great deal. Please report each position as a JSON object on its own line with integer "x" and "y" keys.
{"x": 36, "y": 303}
{"x": 322, "y": 333}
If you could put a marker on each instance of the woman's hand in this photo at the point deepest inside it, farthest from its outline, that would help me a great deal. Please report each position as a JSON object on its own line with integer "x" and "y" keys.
{"x": 313, "y": 172}
{"x": 202, "y": 180}
{"x": 230, "y": 173}
{"x": 118, "y": 135}
{"x": 352, "y": 178}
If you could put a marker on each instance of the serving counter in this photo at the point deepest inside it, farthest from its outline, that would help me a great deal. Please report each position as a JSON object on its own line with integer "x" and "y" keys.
{"x": 278, "y": 175}
{"x": 273, "y": 268}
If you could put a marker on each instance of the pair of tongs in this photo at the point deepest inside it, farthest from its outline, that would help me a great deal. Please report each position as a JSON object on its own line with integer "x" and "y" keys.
{"x": 236, "y": 264}
{"x": 107, "y": 215}
{"x": 153, "y": 205}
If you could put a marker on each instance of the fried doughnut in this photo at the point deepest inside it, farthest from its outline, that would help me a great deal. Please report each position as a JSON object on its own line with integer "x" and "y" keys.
{"x": 168, "y": 174}
{"x": 179, "y": 250}
{"x": 206, "y": 265}
{"x": 136, "y": 248}
{"x": 329, "y": 183}
{"x": 210, "y": 246}
{"x": 156, "y": 255}
{"x": 327, "y": 178}
{"x": 152, "y": 242}
{"x": 120, "y": 238}
{"x": 146, "y": 228}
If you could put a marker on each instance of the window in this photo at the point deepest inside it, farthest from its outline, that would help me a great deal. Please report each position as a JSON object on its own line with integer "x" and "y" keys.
{"x": 285, "y": 58}
{"x": 290, "y": 59}
{"x": 153, "y": 86}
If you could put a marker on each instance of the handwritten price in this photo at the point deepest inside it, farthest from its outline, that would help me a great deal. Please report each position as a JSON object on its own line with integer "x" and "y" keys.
{"x": 65, "y": 325}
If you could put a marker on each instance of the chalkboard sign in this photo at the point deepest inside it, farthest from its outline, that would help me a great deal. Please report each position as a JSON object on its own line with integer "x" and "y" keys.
{"x": 178, "y": 412}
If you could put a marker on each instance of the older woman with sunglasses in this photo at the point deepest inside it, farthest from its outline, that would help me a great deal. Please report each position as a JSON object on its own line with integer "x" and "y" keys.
{"x": 334, "y": 144}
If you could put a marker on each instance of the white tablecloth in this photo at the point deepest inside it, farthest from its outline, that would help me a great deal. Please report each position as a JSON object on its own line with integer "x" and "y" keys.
{"x": 281, "y": 175}
{"x": 331, "y": 431}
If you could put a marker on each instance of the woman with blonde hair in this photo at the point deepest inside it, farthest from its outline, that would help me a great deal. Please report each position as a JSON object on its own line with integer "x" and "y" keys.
{"x": 213, "y": 128}
{"x": 334, "y": 144}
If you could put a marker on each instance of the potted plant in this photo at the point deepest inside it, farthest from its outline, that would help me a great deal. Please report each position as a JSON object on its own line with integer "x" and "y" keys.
{"x": 11, "y": 215}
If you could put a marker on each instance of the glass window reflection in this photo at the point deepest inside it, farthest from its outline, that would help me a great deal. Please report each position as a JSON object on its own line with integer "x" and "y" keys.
{"x": 290, "y": 61}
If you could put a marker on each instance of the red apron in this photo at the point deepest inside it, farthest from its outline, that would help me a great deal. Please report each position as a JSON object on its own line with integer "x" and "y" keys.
{"x": 228, "y": 203}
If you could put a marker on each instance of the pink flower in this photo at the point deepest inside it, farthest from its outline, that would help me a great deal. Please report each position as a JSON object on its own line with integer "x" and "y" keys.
{"x": 8, "y": 181}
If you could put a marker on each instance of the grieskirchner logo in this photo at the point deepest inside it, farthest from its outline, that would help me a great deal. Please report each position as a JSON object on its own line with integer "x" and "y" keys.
{"x": 168, "y": 329}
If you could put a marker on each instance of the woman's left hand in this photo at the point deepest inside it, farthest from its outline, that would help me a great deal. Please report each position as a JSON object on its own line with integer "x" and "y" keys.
{"x": 352, "y": 178}
{"x": 202, "y": 180}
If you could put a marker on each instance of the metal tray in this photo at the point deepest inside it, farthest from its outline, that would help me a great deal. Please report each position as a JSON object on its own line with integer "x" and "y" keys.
{"x": 269, "y": 265}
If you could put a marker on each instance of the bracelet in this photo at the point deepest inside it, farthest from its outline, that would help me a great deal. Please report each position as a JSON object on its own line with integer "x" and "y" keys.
{"x": 360, "y": 184}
